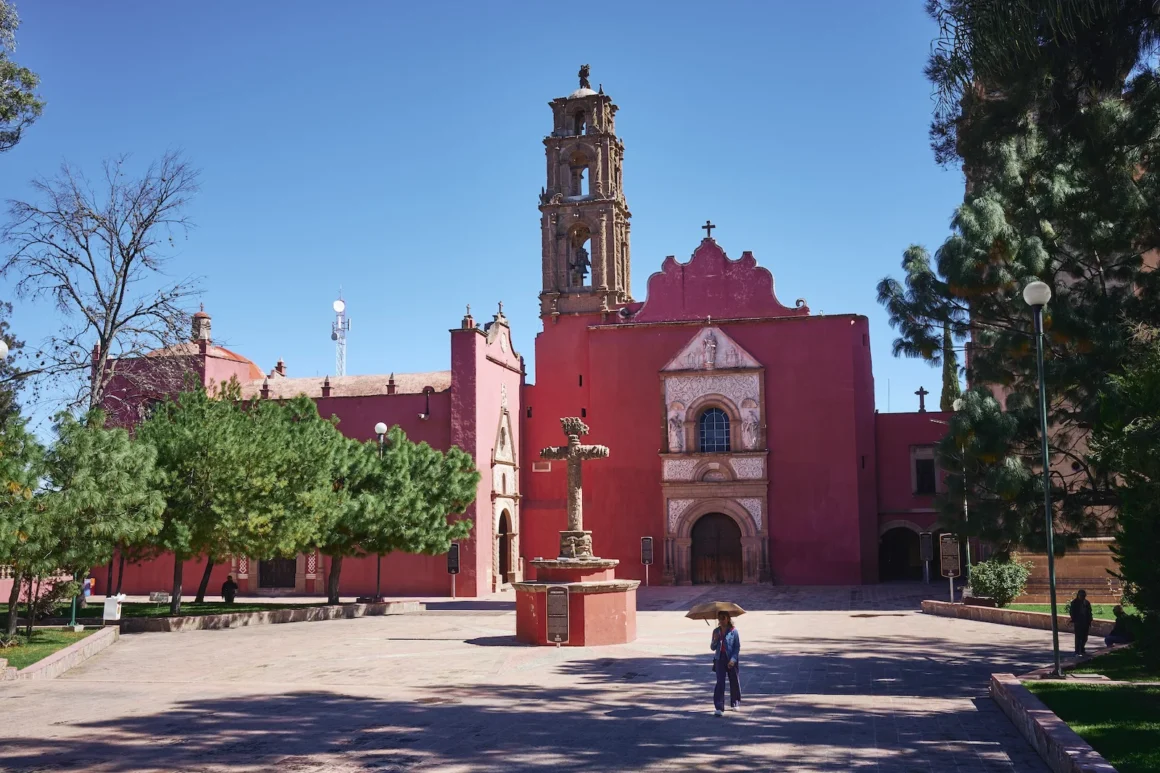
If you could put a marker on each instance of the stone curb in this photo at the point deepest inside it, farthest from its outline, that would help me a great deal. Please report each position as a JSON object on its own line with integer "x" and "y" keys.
{"x": 269, "y": 617}
{"x": 62, "y": 660}
{"x": 1016, "y": 617}
{"x": 1059, "y": 746}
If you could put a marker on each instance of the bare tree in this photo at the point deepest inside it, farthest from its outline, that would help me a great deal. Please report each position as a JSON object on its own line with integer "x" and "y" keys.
{"x": 100, "y": 254}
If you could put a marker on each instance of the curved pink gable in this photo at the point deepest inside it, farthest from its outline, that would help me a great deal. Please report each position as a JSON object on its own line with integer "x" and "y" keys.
{"x": 712, "y": 285}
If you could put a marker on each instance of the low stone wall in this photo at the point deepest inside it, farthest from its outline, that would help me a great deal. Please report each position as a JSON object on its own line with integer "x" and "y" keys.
{"x": 266, "y": 617}
{"x": 1041, "y": 620}
{"x": 62, "y": 660}
{"x": 1059, "y": 746}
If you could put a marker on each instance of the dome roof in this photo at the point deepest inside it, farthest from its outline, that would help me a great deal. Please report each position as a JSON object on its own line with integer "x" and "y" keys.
{"x": 581, "y": 93}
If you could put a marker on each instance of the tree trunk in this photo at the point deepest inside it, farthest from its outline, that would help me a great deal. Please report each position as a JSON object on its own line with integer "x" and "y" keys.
{"x": 32, "y": 594}
{"x": 175, "y": 597}
{"x": 332, "y": 579}
{"x": 13, "y": 604}
{"x": 109, "y": 584}
{"x": 204, "y": 581}
{"x": 120, "y": 573}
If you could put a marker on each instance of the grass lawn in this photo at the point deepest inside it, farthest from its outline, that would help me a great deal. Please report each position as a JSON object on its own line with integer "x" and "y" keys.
{"x": 1124, "y": 665}
{"x": 1121, "y": 723}
{"x": 43, "y": 644}
{"x": 145, "y": 609}
{"x": 1099, "y": 611}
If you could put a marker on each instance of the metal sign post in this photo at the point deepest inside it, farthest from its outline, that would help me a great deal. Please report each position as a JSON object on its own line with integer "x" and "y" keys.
{"x": 453, "y": 565}
{"x": 926, "y": 553}
{"x": 949, "y": 560}
{"x": 646, "y": 555}
{"x": 558, "y": 614}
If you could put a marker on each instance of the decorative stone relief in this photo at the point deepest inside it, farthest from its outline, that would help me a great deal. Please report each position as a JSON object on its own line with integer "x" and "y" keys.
{"x": 677, "y": 507}
{"x": 750, "y": 427}
{"x": 753, "y": 505}
{"x": 748, "y": 469}
{"x": 503, "y": 398}
{"x": 736, "y": 387}
{"x": 711, "y": 349}
{"x": 677, "y": 429}
{"x": 679, "y": 469}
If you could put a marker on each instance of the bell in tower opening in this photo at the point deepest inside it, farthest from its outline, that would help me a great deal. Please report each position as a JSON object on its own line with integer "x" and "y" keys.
{"x": 584, "y": 215}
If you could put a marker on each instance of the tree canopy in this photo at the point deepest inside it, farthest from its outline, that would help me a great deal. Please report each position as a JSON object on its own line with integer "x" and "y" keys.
{"x": 19, "y": 105}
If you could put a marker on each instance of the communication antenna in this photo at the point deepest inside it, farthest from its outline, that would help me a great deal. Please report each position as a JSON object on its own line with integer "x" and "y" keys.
{"x": 338, "y": 331}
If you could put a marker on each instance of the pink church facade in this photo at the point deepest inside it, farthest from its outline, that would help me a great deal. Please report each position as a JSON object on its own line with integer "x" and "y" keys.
{"x": 743, "y": 433}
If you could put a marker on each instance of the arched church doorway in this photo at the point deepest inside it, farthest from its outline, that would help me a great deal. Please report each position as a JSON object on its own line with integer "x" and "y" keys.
{"x": 898, "y": 555}
{"x": 505, "y": 547}
{"x": 716, "y": 549}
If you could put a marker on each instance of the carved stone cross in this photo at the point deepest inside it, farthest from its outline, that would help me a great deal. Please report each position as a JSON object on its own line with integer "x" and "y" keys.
{"x": 922, "y": 393}
{"x": 575, "y": 542}
{"x": 708, "y": 229}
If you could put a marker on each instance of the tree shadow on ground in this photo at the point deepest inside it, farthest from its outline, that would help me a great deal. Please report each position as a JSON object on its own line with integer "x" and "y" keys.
{"x": 577, "y": 729}
{"x": 836, "y": 705}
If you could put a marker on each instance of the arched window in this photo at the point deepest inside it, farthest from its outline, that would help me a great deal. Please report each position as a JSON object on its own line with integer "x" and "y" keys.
{"x": 713, "y": 431}
{"x": 578, "y": 123}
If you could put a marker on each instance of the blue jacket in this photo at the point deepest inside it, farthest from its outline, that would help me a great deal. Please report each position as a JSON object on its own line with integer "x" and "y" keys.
{"x": 732, "y": 645}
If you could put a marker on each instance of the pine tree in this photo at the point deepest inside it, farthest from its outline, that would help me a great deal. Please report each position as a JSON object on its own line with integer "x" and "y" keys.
{"x": 21, "y": 467}
{"x": 19, "y": 106}
{"x": 1127, "y": 440}
{"x": 405, "y": 501}
{"x": 99, "y": 492}
{"x": 1054, "y": 125}
{"x": 951, "y": 390}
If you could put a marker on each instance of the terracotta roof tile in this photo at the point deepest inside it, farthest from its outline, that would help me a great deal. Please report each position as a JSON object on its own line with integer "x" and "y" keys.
{"x": 350, "y": 386}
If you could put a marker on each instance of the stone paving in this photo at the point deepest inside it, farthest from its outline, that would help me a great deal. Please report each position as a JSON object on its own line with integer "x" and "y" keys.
{"x": 835, "y": 679}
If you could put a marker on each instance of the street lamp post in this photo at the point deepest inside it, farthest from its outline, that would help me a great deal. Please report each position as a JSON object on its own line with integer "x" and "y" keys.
{"x": 958, "y": 406}
{"x": 381, "y": 431}
{"x": 1037, "y": 294}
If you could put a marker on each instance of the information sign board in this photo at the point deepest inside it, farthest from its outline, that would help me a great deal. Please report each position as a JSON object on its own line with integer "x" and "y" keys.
{"x": 949, "y": 555}
{"x": 558, "y": 614}
{"x": 646, "y": 550}
{"x": 926, "y": 546}
{"x": 453, "y": 559}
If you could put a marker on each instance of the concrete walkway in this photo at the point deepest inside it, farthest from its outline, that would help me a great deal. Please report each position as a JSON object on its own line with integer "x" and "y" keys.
{"x": 835, "y": 679}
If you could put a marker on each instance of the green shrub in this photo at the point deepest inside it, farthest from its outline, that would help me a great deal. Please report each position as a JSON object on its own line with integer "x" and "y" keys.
{"x": 1002, "y": 581}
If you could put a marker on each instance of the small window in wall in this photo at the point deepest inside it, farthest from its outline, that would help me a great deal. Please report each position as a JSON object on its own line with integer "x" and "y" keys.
{"x": 713, "y": 431}
{"x": 579, "y": 122}
{"x": 923, "y": 471}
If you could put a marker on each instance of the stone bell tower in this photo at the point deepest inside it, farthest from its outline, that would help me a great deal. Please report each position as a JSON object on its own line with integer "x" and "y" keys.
{"x": 584, "y": 217}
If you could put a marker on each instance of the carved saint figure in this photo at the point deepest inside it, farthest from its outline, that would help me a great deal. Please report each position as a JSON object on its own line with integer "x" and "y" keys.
{"x": 676, "y": 434}
{"x": 584, "y": 73}
{"x": 750, "y": 430}
{"x": 580, "y": 265}
{"x": 710, "y": 351}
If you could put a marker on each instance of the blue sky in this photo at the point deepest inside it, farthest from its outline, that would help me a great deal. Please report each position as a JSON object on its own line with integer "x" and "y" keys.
{"x": 395, "y": 149}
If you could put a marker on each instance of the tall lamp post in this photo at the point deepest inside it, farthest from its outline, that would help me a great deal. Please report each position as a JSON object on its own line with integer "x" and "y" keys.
{"x": 958, "y": 405}
{"x": 1037, "y": 294}
{"x": 381, "y": 431}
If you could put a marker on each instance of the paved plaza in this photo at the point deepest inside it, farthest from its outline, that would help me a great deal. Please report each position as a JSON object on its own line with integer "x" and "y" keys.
{"x": 835, "y": 679}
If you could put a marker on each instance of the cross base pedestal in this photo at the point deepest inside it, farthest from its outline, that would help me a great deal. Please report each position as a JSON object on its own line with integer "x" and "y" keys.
{"x": 601, "y": 608}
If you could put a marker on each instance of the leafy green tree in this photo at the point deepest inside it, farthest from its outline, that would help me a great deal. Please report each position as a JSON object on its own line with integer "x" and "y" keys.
{"x": 1051, "y": 111}
{"x": 11, "y": 377}
{"x": 21, "y": 545}
{"x": 19, "y": 106}
{"x": 99, "y": 491}
{"x": 290, "y": 497}
{"x": 1128, "y": 441}
{"x": 405, "y": 501}
{"x": 205, "y": 458}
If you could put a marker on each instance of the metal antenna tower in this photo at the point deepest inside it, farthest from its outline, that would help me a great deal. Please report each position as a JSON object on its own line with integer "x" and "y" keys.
{"x": 338, "y": 331}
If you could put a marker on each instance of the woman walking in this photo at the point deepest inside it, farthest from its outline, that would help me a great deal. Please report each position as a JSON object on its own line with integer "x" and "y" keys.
{"x": 726, "y": 647}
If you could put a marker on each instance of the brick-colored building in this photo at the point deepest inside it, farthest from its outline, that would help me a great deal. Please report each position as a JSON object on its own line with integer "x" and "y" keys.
{"x": 743, "y": 433}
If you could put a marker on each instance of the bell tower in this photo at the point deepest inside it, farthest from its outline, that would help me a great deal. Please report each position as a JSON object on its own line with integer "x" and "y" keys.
{"x": 584, "y": 217}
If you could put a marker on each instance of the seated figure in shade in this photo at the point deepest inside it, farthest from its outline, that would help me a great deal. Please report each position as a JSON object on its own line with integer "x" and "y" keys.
{"x": 1120, "y": 633}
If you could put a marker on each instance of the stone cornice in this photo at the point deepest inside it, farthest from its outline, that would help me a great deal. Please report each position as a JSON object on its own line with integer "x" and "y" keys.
{"x": 721, "y": 489}
{"x": 599, "y": 586}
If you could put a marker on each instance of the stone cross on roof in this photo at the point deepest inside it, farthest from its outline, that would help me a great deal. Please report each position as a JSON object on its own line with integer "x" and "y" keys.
{"x": 575, "y": 542}
{"x": 922, "y": 393}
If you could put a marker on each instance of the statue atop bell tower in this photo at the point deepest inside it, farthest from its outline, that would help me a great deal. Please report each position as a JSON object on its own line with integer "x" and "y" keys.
{"x": 584, "y": 217}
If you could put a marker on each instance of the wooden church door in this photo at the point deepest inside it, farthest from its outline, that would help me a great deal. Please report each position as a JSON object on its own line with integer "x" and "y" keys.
{"x": 716, "y": 549}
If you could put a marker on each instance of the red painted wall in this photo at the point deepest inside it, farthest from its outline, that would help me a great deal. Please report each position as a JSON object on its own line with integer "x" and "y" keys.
{"x": 895, "y": 434}
{"x": 819, "y": 404}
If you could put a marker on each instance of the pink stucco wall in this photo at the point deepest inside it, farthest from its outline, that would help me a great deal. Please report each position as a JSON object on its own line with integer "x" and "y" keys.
{"x": 896, "y": 434}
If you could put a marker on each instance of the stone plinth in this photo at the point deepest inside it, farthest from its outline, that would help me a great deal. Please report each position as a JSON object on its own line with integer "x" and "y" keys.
{"x": 601, "y": 608}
